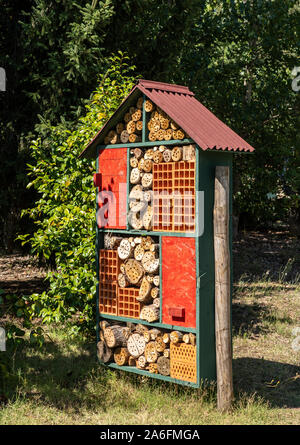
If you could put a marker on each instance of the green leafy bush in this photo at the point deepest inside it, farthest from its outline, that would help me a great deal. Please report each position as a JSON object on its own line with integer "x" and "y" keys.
{"x": 64, "y": 215}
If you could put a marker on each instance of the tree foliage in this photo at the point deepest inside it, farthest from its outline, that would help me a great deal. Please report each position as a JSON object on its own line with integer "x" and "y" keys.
{"x": 64, "y": 214}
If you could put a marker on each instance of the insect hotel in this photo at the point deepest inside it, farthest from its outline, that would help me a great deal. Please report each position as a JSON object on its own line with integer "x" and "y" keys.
{"x": 156, "y": 159}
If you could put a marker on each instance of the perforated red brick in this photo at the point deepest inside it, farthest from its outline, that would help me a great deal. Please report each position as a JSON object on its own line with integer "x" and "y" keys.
{"x": 128, "y": 306}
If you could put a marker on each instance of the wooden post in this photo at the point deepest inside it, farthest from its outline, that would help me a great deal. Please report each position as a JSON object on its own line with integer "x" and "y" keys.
{"x": 222, "y": 289}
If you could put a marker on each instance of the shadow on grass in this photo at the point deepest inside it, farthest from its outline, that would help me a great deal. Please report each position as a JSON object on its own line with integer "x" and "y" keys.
{"x": 277, "y": 383}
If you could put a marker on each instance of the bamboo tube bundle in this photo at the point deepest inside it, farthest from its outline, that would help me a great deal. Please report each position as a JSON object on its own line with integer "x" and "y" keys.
{"x": 141, "y": 362}
{"x": 151, "y": 354}
{"x": 149, "y": 313}
{"x": 135, "y": 176}
{"x": 104, "y": 353}
{"x": 139, "y": 126}
{"x": 115, "y": 336}
{"x": 159, "y": 344}
{"x": 163, "y": 365}
{"x": 134, "y": 271}
{"x": 167, "y": 155}
{"x": 124, "y": 136}
{"x": 139, "y": 103}
{"x": 136, "y": 345}
{"x": 177, "y": 154}
{"x": 125, "y": 249}
{"x": 148, "y": 105}
{"x": 121, "y": 356}
{"x": 150, "y": 263}
{"x": 144, "y": 291}
{"x": 176, "y": 337}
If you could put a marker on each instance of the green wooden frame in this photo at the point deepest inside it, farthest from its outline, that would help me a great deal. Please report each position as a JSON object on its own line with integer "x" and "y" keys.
{"x": 206, "y": 161}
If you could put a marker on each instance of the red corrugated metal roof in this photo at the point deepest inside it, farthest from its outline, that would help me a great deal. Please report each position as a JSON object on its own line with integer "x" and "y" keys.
{"x": 195, "y": 119}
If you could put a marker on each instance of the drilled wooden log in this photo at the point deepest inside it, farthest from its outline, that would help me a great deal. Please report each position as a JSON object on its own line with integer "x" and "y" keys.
{"x": 133, "y": 162}
{"x": 104, "y": 353}
{"x": 166, "y": 338}
{"x": 168, "y": 134}
{"x": 158, "y": 157}
{"x": 149, "y": 313}
{"x": 150, "y": 263}
{"x": 140, "y": 102}
{"x": 152, "y": 367}
{"x": 177, "y": 154}
{"x": 149, "y": 154}
{"x": 163, "y": 365}
{"x": 156, "y": 302}
{"x": 141, "y": 362}
{"x": 137, "y": 115}
{"x": 121, "y": 356}
{"x": 115, "y": 336}
{"x": 135, "y": 176}
{"x": 156, "y": 280}
{"x": 176, "y": 337}
{"x": 173, "y": 125}
{"x": 125, "y": 249}
{"x": 141, "y": 329}
{"x": 148, "y": 105}
{"x": 189, "y": 152}
{"x": 132, "y": 361}
{"x": 166, "y": 353}
{"x": 136, "y": 345}
{"x": 119, "y": 127}
{"x": 134, "y": 271}
{"x": 152, "y": 136}
{"x": 147, "y": 242}
{"x": 180, "y": 134}
{"x": 159, "y": 344}
{"x": 103, "y": 324}
{"x": 144, "y": 291}
{"x": 147, "y": 218}
{"x": 139, "y": 252}
{"x": 151, "y": 353}
{"x": 136, "y": 193}
{"x": 127, "y": 117}
{"x": 130, "y": 127}
{"x": 161, "y": 135}
{"x": 147, "y": 196}
{"x": 147, "y": 336}
{"x": 192, "y": 339}
{"x": 147, "y": 165}
{"x": 122, "y": 281}
{"x": 124, "y": 136}
{"x": 154, "y": 292}
{"x": 154, "y": 333}
{"x": 133, "y": 137}
{"x": 186, "y": 338}
{"x": 167, "y": 155}
{"x": 139, "y": 126}
{"x": 135, "y": 221}
{"x": 147, "y": 179}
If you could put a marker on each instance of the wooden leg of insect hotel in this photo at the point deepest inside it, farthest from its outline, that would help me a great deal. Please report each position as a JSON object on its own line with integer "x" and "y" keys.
{"x": 222, "y": 290}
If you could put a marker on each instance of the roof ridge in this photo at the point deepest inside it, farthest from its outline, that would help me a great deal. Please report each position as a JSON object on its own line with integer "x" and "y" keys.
{"x": 172, "y": 87}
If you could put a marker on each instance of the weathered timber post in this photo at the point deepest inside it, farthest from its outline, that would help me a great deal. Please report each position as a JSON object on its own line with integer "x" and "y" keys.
{"x": 222, "y": 289}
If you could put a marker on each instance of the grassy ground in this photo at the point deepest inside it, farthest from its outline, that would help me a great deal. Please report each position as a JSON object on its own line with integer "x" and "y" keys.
{"x": 63, "y": 384}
